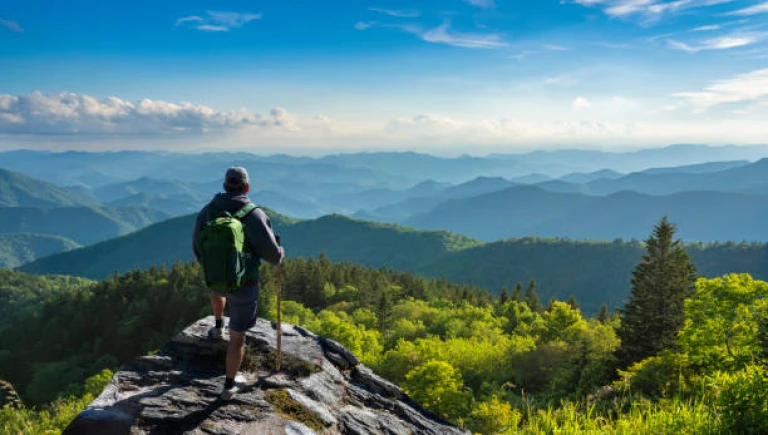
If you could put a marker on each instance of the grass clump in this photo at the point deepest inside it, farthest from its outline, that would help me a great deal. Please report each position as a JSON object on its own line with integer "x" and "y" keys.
{"x": 290, "y": 409}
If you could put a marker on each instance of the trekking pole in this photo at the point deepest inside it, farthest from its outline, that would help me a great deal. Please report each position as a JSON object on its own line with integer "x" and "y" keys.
{"x": 279, "y": 323}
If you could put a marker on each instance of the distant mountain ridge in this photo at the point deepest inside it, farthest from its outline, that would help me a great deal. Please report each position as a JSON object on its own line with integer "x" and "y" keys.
{"x": 18, "y": 190}
{"x": 84, "y": 225}
{"x": 20, "y": 248}
{"x": 533, "y": 211}
{"x": 594, "y": 272}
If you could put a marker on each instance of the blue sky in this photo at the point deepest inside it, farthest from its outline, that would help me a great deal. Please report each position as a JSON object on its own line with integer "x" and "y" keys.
{"x": 450, "y": 76}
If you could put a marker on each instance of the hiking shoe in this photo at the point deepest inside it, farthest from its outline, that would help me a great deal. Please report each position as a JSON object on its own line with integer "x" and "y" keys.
{"x": 237, "y": 386}
{"x": 215, "y": 333}
{"x": 229, "y": 393}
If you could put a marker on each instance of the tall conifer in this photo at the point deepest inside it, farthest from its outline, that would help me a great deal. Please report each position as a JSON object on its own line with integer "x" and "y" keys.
{"x": 660, "y": 283}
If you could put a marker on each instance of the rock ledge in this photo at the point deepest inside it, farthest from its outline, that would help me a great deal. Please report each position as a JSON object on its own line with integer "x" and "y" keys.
{"x": 321, "y": 388}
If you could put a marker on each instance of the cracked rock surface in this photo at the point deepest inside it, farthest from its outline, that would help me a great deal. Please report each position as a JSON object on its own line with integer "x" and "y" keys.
{"x": 321, "y": 389}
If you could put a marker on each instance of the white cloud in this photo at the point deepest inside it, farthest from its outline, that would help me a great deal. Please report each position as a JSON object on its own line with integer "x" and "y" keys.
{"x": 648, "y": 9}
{"x": 581, "y": 103}
{"x": 189, "y": 19}
{"x": 554, "y": 47}
{"x": 724, "y": 42}
{"x": 218, "y": 21}
{"x": 444, "y": 35}
{"x": 743, "y": 88}
{"x": 563, "y": 80}
{"x": 364, "y": 25}
{"x": 11, "y": 25}
{"x": 523, "y": 54}
{"x": 762, "y": 8}
{"x": 706, "y": 28}
{"x": 398, "y": 13}
{"x": 67, "y": 113}
{"x": 484, "y": 4}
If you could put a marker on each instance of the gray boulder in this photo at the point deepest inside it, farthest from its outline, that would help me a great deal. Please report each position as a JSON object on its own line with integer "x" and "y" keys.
{"x": 321, "y": 389}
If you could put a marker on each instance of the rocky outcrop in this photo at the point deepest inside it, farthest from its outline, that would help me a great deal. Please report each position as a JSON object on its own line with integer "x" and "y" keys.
{"x": 321, "y": 388}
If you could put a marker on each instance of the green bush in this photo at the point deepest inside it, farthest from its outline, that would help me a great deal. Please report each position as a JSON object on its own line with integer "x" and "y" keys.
{"x": 741, "y": 398}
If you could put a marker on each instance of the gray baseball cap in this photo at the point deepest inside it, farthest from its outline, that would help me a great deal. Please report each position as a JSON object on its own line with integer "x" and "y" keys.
{"x": 236, "y": 176}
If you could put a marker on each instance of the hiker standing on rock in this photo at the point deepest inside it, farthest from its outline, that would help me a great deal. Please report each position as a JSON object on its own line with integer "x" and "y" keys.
{"x": 231, "y": 236}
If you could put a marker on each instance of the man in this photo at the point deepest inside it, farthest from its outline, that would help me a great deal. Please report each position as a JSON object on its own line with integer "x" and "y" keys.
{"x": 260, "y": 243}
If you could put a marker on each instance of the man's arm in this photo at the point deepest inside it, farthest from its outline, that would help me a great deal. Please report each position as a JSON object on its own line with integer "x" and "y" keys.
{"x": 261, "y": 236}
{"x": 196, "y": 232}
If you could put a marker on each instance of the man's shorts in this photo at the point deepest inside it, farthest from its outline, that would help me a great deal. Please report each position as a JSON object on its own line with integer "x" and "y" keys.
{"x": 243, "y": 305}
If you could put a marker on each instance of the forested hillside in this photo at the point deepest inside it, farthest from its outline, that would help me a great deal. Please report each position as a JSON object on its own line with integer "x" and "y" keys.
{"x": 18, "y": 190}
{"x": 493, "y": 365}
{"x": 592, "y": 271}
{"x": 20, "y": 248}
{"x": 84, "y": 225}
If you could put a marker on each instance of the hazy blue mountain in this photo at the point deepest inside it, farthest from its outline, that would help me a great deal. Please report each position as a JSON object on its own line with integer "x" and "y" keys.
{"x": 83, "y": 225}
{"x": 533, "y": 211}
{"x": 701, "y": 168}
{"x": 100, "y": 169}
{"x": 144, "y": 185}
{"x": 20, "y": 248}
{"x": 391, "y": 170}
{"x": 17, "y": 190}
{"x": 581, "y": 177}
{"x": 531, "y": 178}
{"x": 173, "y": 204}
{"x": 752, "y": 177}
{"x": 560, "y": 186}
{"x": 339, "y": 237}
{"x": 400, "y": 211}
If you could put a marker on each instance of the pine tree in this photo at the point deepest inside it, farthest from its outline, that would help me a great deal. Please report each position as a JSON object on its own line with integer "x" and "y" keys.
{"x": 654, "y": 314}
{"x": 504, "y": 295}
{"x": 532, "y": 298}
{"x": 573, "y": 302}
{"x": 602, "y": 315}
{"x": 517, "y": 293}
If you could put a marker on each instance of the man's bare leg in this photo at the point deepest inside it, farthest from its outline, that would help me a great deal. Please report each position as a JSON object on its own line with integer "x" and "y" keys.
{"x": 235, "y": 353}
{"x": 217, "y": 305}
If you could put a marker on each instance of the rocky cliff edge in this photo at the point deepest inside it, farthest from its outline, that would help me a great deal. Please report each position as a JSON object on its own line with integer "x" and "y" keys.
{"x": 321, "y": 389}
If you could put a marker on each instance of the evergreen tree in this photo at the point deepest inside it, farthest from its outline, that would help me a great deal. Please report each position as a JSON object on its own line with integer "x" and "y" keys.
{"x": 517, "y": 293}
{"x": 654, "y": 314}
{"x": 573, "y": 302}
{"x": 504, "y": 295}
{"x": 532, "y": 298}
{"x": 602, "y": 315}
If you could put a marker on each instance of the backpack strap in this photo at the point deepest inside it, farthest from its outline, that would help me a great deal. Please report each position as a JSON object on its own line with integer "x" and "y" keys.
{"x": 244, "y": 211}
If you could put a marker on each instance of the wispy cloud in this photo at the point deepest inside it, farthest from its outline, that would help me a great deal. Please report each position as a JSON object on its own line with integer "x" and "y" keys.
{"x": 408, "y": 13}
{"x": 706, "y": 28}
{"x": 485, "y": 4}
{"x": 523, "y": 54}
{"x": 581, "y": 103}
{"x": 649, "y": 9}
{"x": 563, "y": 80}
{"x": 554, "y": 47}
{"x": 752, "y": 10}
{"x": 615, "y": 45}
{"x": 749, "y": 87}
{"x": 11, "y": 25}
{"x": 724, "y": 42}
{"x": 218, "y": 21}
{"x": 444, "y": 35}
{"x": 364, "y": 25}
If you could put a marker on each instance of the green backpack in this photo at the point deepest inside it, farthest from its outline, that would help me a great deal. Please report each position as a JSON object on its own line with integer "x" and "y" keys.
{"x": 222, "y": 243}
